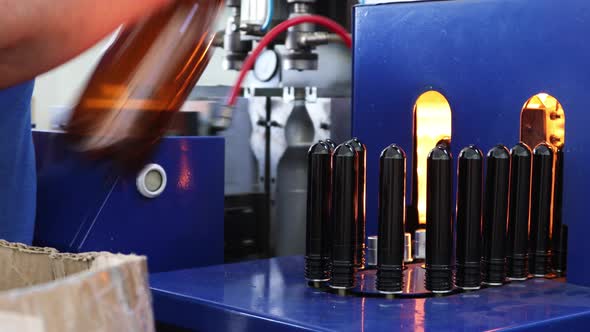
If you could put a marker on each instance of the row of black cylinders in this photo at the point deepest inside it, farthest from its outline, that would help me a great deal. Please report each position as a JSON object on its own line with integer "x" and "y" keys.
{"x": 517, "y": 212}
{"x": 335, "y": 236}
{"x": 493, "y": 241}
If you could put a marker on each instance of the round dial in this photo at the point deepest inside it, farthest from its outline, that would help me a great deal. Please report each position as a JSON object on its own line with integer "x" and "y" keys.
{"x": 266, "y": 66}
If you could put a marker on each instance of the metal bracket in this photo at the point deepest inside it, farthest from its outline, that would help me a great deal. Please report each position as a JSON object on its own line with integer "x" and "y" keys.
{"x": 249, "y": 92}
{"x": 288, "y": 94}
{"x": 311, "y": 94}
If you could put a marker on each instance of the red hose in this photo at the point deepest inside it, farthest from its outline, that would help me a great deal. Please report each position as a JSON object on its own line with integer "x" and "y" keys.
{"x": 274, "y": 33}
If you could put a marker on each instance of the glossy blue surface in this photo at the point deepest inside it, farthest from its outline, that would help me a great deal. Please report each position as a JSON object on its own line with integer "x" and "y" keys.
{"x": 271, "y": 295}
{"x": 87, "y": 206}
{"x": 488, "y": 58}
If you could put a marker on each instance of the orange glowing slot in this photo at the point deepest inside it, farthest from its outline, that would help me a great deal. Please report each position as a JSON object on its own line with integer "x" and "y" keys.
{"x": 432, "y": 124}
{"x": 543, "y": 120}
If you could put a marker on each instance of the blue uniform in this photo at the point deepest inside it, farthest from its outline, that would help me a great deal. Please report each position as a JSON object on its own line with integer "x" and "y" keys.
{"x": 18, "y": 181}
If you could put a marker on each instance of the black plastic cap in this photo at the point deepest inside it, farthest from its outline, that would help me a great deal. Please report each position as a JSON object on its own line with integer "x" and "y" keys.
{"x": 319, "y": 148}
{"x": 344, "y": 150}
{"x": 331, "y": 143}
{"x": 521, "y": 150}
{"x": 440, "y": 152}
{"x": 543, "y": 149}
{"x": 471, "y": 153}
{"x": 393, "y": 152}
{"x": 499, "y": 152}
{"x": 356, "y": 144}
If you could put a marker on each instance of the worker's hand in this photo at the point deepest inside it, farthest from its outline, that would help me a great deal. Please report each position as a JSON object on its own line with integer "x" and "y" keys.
{"x": 38, "y": 35}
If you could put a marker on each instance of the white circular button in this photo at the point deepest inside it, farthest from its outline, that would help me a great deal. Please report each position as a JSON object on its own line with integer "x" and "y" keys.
{"x": 151, "y": 181}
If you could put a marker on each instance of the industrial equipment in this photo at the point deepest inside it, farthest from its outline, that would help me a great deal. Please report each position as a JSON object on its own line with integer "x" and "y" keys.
{"x": 447, "y": 73}
{"x": 297, "y": 93}
{"x": 436, "y": 78}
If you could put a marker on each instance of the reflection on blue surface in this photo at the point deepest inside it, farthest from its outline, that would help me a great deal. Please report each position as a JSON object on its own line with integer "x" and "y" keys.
{"x": 272, "y": 294}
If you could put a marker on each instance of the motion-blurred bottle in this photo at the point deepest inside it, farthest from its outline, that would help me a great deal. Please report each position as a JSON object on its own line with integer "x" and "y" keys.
{"x": 142, "y": 80}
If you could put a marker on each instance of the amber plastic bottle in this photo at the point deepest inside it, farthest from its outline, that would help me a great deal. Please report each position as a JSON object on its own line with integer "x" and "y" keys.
{"x": 142, "y": 80}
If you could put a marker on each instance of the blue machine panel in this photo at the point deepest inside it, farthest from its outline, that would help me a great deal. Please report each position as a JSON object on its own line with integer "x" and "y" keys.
{"x": 487, "y": 58}
{"x": 271, "y": 295}
{"x": 88, "y": 206}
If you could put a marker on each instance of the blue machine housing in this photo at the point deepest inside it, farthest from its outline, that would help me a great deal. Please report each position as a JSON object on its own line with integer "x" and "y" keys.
{"x": 487, "y": 58}
{"x": 84, "y": 206}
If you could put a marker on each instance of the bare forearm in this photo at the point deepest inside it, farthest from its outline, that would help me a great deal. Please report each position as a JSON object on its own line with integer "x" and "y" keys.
{"x": 37, "y": 35}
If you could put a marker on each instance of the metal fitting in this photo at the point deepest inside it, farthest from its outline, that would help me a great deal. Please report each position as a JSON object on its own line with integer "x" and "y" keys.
{"x": 317, "y": 38}
{"x": 222, "y": 119}
{"x": 300, "y": 56}
{"x": 235, "y": 47}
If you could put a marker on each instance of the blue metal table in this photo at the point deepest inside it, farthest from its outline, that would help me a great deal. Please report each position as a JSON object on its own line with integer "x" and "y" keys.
{"x": 269, "y": 295}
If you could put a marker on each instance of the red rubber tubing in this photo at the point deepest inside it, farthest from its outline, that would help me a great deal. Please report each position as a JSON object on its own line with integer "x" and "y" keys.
{"x": 274, "y": 33}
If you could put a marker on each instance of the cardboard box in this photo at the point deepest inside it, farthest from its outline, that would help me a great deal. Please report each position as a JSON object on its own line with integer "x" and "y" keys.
{"x": 42, "y": 290}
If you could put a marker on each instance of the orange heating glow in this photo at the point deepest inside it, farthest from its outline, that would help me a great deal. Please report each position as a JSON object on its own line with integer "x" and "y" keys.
{"x": 419, "y": 315}
{"x": 185, "y": 177}
{"x": 363, "y": 313}
{"x": 432, "y": 118}
{"x": 543, "y": 120}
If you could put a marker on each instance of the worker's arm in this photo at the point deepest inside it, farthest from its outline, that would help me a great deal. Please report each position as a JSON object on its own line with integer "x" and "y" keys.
{"x": 38, "y": 35}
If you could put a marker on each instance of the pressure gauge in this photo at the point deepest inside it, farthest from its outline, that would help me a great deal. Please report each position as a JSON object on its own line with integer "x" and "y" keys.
{"x": 266, "y": 66}
{"x": 151, "y": 181}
